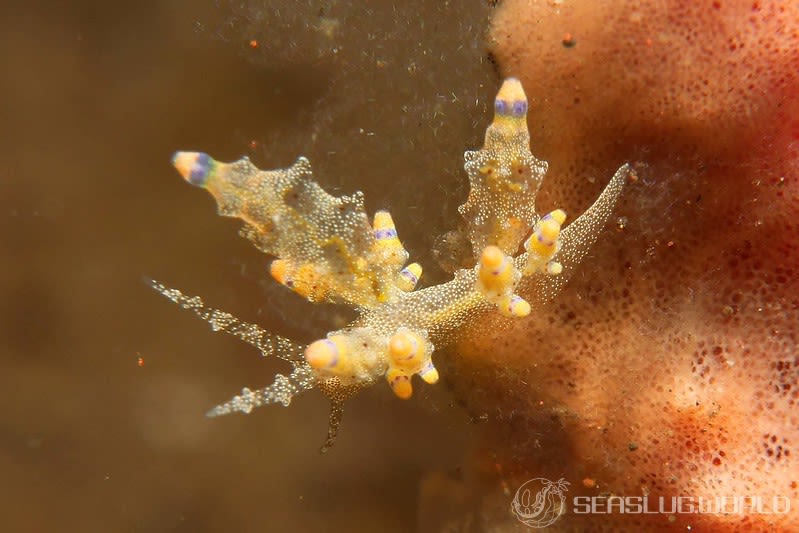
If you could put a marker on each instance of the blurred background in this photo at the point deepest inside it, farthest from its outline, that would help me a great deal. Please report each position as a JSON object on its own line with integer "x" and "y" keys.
{"x": 105, "y": 383}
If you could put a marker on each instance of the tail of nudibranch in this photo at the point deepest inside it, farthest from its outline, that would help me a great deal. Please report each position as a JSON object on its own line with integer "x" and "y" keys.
{"x": 326, "y": 251}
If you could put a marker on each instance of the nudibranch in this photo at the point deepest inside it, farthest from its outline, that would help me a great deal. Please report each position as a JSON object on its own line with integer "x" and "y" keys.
{"x": 326, "y": 250}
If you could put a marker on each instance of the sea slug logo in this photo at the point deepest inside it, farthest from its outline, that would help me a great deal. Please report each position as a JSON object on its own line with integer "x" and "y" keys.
{"x": 539, "y": 502}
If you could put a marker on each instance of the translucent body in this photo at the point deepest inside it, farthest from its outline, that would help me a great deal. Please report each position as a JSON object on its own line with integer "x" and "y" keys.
{"x": 327, "y": 251}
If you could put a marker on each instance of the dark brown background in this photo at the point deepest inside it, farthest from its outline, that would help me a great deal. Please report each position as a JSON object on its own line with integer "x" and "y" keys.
{"x": 94, "y": 98}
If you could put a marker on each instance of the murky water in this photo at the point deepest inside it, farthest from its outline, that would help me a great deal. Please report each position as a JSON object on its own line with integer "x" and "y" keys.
{"x": 106, "y": 383}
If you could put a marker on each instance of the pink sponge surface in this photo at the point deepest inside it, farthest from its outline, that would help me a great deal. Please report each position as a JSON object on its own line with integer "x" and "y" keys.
{"x": 669, "y": 366}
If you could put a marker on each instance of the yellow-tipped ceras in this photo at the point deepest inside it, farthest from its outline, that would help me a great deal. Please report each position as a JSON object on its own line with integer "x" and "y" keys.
{"x": 543, "y": 243}
{"x": 387, "y": 241}
{"x": 409, "y": 277}
{"x": 350, "y": 356}
{"x": 326, "y": 250}
{"x": 309, "y": 281}
{"x": 388, "y": 246}
{"x": 497, "y": 277}
{"x": 409, "y": 353}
